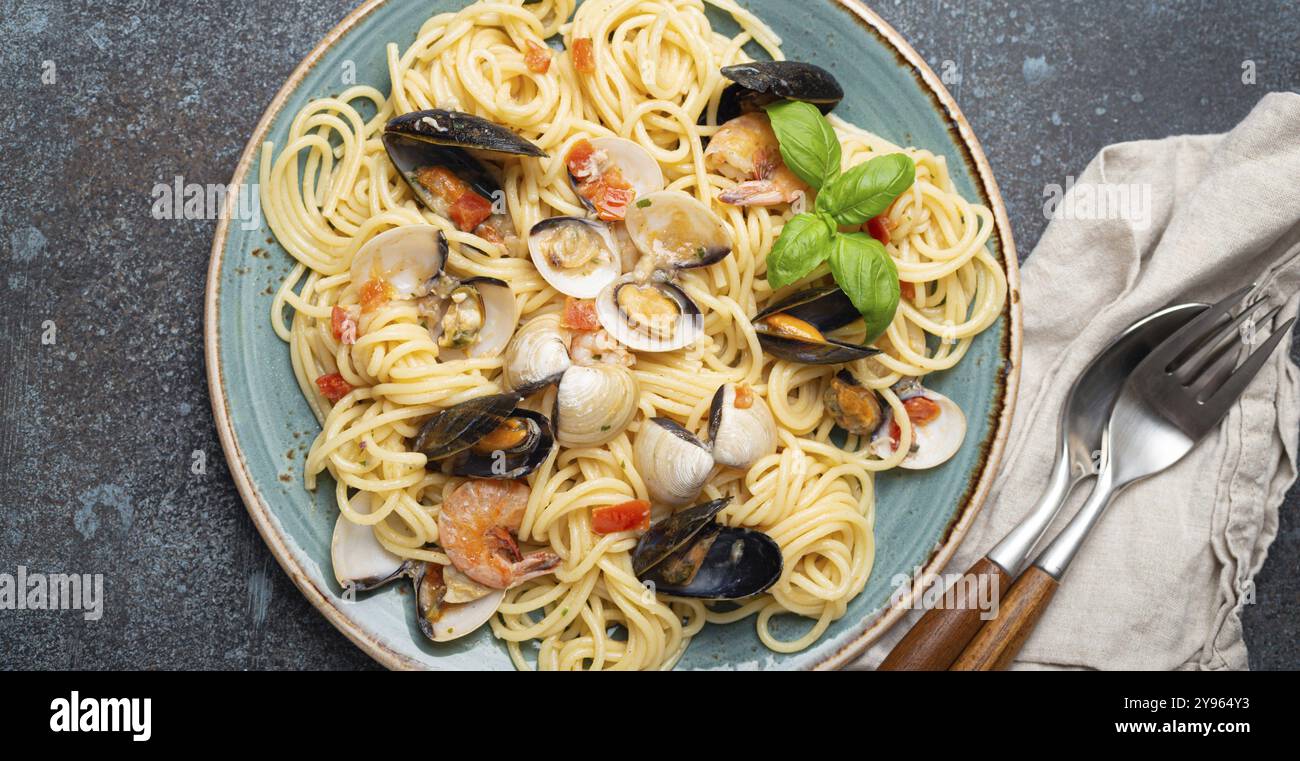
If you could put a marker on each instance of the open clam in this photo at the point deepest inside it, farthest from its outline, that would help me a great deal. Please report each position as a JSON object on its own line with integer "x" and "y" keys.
{"x": 938, "y": 427}
{"x": 406, "y": 257}
{"x": 576, "y": 256}
{"x": 761, "y": 82}
{"x": 487, "y": 437}
{"x": 794, "y": 328}
{"x": 673, "y": 231}
{"x": 653, "y": 316}
{"x": 609, "y": 173}
{"x": 448, "y": 604}
{"x": 741, "y": 427}
{"x": 690, "y": 555}
{"x": 360, "y": 562}
{"x": 672, "y": 461}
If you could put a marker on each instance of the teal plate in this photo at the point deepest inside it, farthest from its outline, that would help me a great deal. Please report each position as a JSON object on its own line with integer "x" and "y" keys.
{"x": 266, "y": 427}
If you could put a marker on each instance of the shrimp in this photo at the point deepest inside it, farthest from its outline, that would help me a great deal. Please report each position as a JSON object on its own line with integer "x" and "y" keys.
{"x": 745, "y": 149}
{"x": 477, "y": 528}
{"x": 596, "y": 347}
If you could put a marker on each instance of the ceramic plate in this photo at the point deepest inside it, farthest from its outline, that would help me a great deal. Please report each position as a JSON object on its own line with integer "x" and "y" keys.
{"x": 266, "y": 426}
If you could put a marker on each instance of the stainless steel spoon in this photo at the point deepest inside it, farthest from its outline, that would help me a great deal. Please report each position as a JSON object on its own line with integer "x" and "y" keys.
{"x": 942, "y": 633}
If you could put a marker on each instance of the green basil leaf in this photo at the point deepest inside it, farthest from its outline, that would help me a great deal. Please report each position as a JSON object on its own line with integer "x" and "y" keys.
{"x": 864, "y": 271}
{"x": 804, "y": 243}
{"x": 808, "y": 144}
{"x": 867, "y": 189}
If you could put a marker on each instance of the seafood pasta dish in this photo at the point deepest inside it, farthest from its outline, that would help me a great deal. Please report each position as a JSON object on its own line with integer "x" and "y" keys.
{"x": 609, "y": 322}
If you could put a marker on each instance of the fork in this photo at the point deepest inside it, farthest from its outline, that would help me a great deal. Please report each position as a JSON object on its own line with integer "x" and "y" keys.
{"x": 1176, "y": 396}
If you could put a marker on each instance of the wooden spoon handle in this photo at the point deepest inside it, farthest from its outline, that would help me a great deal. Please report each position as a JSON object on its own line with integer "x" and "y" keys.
{"x": 999, "y": 640}
{"x": 938, "y": 638}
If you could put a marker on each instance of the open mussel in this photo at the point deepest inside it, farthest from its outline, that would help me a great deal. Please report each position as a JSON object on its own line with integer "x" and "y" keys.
{"x": 741, "y": 427}
{"x": 574, "y": 255}
{"x": 673, "y": 462}
{"x": 794, "y": 328}
{"x": 487, "y": 437}
{"x": 652, "y": 316}
{"x": 431, "y": 150}
{"x": 761, "y": 82}
{"x": 938, "y": 427}
{"x": 690, "y": 555}
{"x": 611, "y": 173}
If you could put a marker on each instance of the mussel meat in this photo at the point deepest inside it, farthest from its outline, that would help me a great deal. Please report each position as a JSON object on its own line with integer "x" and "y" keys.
{"x": 938, "y": 427}
{"x": 741, "y": 427}
{"x": 794, "y": 329}
{"x": 852, "y": 406}
{"x": 609, "y": 173}
{"x": 758, "y": 83}
{"x": 576, "y": 256}
{"x": 673, "y": 231}
{"x": 673, "y": 462}
{"x": 487, "y": 437}
{"x": 690, "y": 555}
{"x": 651, "y": 316}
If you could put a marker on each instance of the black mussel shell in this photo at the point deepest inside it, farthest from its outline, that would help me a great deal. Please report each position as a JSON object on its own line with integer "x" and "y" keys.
{"x": 720, "y": 563}
{"x": 462, "y": 130}
{"x": 410, "y": 155}
{"x": 673, "y": 532}
{"x": 430, "y": 590}
{"x": 824, "y": 308}
{"x": 460, "y": 426}
{"x": 761, "y": 82}
{"x": 512, "y": 463}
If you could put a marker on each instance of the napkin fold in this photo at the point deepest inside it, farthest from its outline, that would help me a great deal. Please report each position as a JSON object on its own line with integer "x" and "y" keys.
{"x": 1161, "y": 582}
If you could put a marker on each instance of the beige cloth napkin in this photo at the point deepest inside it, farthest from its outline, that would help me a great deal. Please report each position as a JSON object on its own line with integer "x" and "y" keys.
{"x": 1161, "y": 582}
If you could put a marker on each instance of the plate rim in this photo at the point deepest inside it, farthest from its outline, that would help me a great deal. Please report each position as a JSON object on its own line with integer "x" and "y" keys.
{"x": 872, "y": 628}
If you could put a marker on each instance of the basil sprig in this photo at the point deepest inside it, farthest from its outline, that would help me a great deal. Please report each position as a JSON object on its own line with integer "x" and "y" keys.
{"x": 859, "y": 263}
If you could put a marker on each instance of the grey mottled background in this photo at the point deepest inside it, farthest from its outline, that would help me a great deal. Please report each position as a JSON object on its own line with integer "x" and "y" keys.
{"x": 97, "y": 430}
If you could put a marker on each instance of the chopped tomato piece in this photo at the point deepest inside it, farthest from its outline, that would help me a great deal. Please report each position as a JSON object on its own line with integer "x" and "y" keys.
{"x": 579, "y": 314}
{"x": 895, "y": 434}
{"x": 628, "y": 516}
{"x": 538, "y": 58}
{"x": 469, "y": 211}
{"x": 921, "y": 410}
{"x": 333, "y": 387}
{"x": 744, "y": 397}
{"x": 343, "y": 325}
{"x": 375, "y": 292}
{"x": 584, "y": 56}
{"x": 878, "y": 228}
{"x": 610, "y": 199}
{"x": 906, "y": 290}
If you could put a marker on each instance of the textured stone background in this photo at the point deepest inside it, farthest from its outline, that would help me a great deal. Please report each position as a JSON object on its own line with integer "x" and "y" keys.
{"x": 97, "y": 431}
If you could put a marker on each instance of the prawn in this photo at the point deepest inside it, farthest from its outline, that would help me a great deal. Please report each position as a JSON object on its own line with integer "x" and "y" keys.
{"x": 746, "y": 150}
{"x": 477, "y": 528}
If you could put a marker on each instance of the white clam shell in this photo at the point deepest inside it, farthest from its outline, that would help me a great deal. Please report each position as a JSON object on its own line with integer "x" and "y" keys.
{"x": 688, "y": 328}
{"x": 458, "y": 620}
{"x": 933, "y": 443}
{"x": 500, "y": 316}
{"x": 407, "y": 257}
{"x": 537, "y": 355}
{"x": 638, "y": 167}
{"x": 674, "y": 464}
{"x": 588, "y": 281}
{"x": 740, "y": 437}
{"x": 594, "y": 404}
{"x": 358, "y": 558}
{"x": 676, "y": 231}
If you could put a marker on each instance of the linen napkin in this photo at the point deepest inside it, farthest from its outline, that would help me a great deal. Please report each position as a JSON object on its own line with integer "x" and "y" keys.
{"x": 1161, "y": 582}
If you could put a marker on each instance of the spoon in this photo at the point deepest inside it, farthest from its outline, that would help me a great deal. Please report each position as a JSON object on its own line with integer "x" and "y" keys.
{"x": 936, "y": 640}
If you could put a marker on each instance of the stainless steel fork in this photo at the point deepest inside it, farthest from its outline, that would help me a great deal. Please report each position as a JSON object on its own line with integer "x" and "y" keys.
{"x": 1176, "y": 396}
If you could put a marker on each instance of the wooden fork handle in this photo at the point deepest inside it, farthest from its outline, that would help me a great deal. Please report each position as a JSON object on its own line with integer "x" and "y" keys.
{"x": 998, "y": 641}
{"x": 941, "y": 634}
